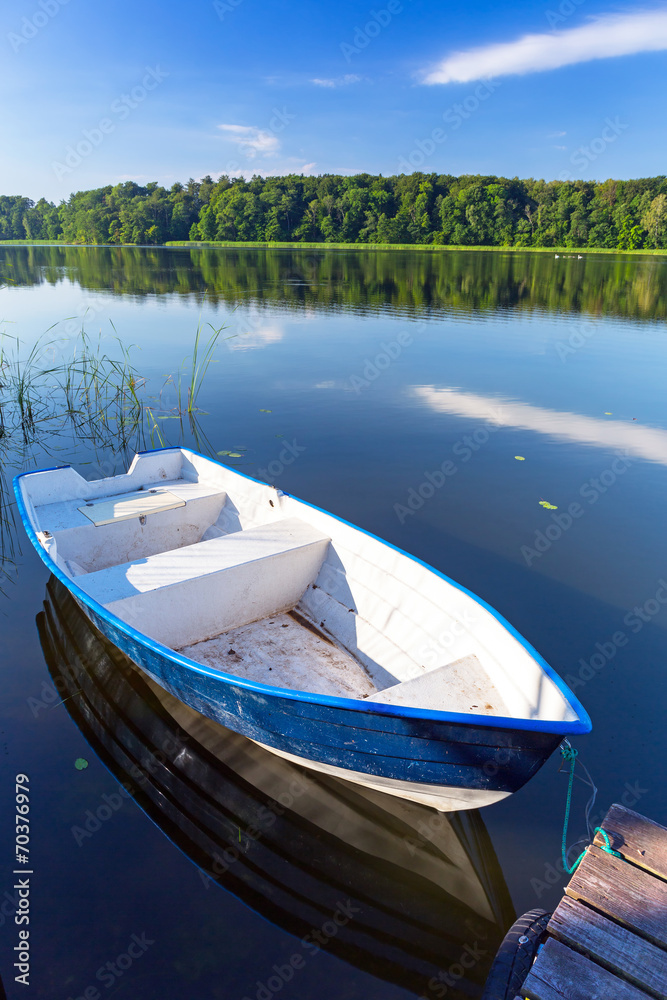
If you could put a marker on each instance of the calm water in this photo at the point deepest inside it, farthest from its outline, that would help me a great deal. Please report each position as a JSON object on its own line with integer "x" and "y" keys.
{"x": 374, "y": 369}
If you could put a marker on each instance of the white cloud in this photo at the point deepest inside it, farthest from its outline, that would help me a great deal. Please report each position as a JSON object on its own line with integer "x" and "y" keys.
{"x": 252, "y": 140}
{"x": 556, "y": 135}
{"x": 255, "y": 333}
{"x": 638, "y": 439}
{"x": 338, "y": 81}
{"x": 601, "y": 38}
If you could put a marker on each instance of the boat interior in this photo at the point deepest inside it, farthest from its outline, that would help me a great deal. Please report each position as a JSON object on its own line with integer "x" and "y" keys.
{"x": 246, "y": 580}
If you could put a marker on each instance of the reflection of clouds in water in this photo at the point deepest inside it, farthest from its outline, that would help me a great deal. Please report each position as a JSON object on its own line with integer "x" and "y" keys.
{"x": 254, "y": 332}
{"x": 645, "y": 442}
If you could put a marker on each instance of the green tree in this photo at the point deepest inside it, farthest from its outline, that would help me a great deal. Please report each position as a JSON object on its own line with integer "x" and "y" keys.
{"x": 654, "y": 221}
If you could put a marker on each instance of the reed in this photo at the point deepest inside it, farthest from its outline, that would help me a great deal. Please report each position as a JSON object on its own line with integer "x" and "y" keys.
{"x": 199, "y": 362}
{"x": 97, "y": 396}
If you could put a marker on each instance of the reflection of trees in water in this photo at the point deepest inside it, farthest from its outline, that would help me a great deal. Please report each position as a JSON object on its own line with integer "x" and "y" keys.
{"x": 360, "y": 280}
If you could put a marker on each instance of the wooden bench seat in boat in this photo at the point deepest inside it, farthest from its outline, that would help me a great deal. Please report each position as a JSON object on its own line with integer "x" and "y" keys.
{"x": 191, "y": 593}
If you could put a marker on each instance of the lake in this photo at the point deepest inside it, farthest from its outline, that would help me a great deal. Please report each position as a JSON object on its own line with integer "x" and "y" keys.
{"x": 174, "y": 859}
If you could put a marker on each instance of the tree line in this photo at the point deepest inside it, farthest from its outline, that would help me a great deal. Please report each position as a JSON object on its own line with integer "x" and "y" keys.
{"x": 416, "y": 208}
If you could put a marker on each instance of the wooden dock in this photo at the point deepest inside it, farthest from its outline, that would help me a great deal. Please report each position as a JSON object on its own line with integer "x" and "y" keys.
{"x": 608, "y": 937}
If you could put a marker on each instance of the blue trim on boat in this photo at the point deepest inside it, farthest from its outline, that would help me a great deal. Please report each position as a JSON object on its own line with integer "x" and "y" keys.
{"x": 579, "y": 726}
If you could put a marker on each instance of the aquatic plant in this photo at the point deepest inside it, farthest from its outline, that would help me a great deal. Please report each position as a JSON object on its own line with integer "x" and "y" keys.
{"x": 95, "y": 397}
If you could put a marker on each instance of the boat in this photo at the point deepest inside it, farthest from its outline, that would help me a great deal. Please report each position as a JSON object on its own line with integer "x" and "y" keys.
{"x": 292, "y": 627}
{"x": 288, "y": 843}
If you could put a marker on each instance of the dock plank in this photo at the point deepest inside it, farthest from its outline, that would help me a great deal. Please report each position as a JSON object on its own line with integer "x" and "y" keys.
{"x": 623, "y": 892}
{"x": 637, "y": 838}
{"x": 563, "y": 974}
{"x": 615, "y": 948}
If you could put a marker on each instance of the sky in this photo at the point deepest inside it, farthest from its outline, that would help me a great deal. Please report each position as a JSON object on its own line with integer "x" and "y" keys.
{"x": 94, "y": 94}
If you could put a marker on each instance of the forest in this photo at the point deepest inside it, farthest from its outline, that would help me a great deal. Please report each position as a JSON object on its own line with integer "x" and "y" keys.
{"x": 416, "y": 208}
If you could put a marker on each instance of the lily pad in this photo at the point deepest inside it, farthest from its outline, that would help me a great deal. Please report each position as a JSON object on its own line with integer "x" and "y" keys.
{"x": 266, "y": 411}
{"x": 520, "y": 458}
{"x": 549, "y": 506}
{"x": 81, "y": 763}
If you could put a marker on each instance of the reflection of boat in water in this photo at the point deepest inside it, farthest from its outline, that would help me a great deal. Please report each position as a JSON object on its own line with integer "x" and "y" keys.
{"x": 425, "y": 888}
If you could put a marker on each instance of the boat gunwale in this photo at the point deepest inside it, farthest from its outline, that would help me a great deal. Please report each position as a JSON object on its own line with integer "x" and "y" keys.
{"x": 581, "y": 725}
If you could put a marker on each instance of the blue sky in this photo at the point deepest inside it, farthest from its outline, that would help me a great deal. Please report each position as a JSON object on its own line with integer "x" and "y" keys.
{"x": 93, "y": 94}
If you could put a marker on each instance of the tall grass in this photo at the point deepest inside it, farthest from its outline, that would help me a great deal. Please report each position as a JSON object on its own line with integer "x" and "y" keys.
{"x": 199, "y": 362}
{"x": 95, "y": 396}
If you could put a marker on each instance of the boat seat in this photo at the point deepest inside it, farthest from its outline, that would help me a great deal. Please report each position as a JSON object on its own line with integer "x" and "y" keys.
{"x": 129, "y": 505}
{"x": 461, "y": 686}
{"x": 110, "y": 530}
{"x": 188, "y": 594}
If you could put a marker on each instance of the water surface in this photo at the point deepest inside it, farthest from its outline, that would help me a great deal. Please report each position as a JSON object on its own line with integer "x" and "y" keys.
{"x": 348, "y": 379}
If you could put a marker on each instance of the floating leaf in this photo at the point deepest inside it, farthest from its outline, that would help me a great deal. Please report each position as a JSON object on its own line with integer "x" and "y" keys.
{"x": 608, "y": 414}
{"x": 235, "y": 454}
{"x": 266, "y": 411}
{"x": 81, "y": 763}
{"x": 520, "y": 458}
{"x": 223, "y": 452}
{"x": 549, "y": 506}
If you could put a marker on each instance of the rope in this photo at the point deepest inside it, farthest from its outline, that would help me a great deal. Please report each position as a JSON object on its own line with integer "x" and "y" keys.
{"x": 570, "y": 754}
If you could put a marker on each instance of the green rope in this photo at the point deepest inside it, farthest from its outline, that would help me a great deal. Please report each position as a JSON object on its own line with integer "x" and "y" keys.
{"x": 570, "y": 754}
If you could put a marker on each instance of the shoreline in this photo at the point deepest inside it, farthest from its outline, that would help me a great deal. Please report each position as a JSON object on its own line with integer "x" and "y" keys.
{"x": 375, "y": 247}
